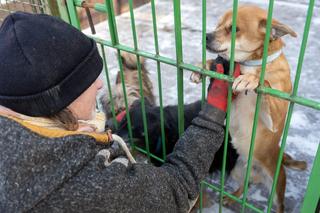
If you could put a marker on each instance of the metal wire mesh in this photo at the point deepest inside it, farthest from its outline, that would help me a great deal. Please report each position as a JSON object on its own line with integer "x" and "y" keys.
{"x": 31, "y": 6}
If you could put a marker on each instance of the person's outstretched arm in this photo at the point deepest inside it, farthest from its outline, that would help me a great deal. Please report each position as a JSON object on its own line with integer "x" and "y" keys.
{"x": 120, "y": 187}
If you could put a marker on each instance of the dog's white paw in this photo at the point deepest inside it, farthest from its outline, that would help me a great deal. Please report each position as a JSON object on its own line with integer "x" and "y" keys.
{"x": 247, "y": 82}
{"x": 195, "y": 77}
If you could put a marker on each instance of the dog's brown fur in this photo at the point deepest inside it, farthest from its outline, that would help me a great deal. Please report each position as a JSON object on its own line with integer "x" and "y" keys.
{"x": 131, "y": 80}
{"x": 251, "y": 28}
{"x": 131, "y": 76}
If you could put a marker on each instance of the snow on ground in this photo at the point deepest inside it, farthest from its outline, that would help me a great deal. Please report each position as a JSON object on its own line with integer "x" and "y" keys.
{"x": 304, "y": 134}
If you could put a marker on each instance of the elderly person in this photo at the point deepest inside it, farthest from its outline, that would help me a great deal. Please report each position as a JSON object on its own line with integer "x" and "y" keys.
{"x": 50, "y": 134}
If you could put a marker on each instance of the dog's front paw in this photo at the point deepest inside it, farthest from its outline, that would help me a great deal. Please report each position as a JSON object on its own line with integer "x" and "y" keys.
{"x": 195, "y": 77}
{"x": 247, "y": 82}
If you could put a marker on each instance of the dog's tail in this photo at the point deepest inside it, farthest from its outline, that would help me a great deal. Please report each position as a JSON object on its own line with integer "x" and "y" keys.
{"x": 130, "y": 60}
{"x": 289, "y": 162}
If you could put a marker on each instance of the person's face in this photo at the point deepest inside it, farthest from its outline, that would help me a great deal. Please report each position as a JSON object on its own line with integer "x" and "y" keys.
{"x": 85, "y": 105}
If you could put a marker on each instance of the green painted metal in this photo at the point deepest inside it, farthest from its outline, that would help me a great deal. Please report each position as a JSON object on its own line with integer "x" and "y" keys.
{"x": 63, "y": 11}
{"x": 72, "y": 10}
{"x": 204, "y": 50}
{"x": 97, "y": 6}
{"x": 296, "y": 99}
{"x": 263, "y": 90}
{"x": 150, "y": 154}
{"x": 258, "y": 104}
{"x": 289, "y": 115}
{"x": 226, "y": 135}
{"x": 156, "y": 43}
{"x": 312, "y": 196}
{"x": 115, "y": 41}
{"x": 115, "y": 123}
{"x": 236, "y": 199}
{"x": 135, "y": 41}
{"x": 179, "y": 60}
{"x": 201, "y": 196}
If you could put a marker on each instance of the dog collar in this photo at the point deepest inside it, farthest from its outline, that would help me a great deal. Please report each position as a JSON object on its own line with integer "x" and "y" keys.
{"x": 258, "y": 62}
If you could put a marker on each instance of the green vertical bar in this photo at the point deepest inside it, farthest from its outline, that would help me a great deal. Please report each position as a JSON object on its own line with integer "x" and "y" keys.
{"x": 295, "y": 90}
{"x": 258, "y": 104}
{"x": 63, "y": 12}
{"x": 112, "y": 22}
{"x": 226, "y": 135}
{"x": 73, "y": 14}
{"x": 312, "y": 196}
{"x": 204, "y": 43}
{"x": 115, "y": 123}
{"x": 179, "y": 58}
{"x": 154, "y": 22}
{"x": 115, "y": 41}
{"x": 201, "y": 196}
{"x": 144, "y": 118}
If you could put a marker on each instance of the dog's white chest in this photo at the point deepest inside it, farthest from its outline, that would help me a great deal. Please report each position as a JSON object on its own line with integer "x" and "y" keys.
{"x": 242, "y": 114}
{"x": 248, "y": 69}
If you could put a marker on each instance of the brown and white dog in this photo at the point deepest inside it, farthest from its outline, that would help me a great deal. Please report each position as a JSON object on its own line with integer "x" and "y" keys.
{"x": 250, "y": 35}
{"x": 131, "y": 79}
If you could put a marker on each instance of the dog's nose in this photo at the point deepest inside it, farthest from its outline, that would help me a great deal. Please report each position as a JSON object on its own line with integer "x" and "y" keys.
{"x": 208, "y": 37}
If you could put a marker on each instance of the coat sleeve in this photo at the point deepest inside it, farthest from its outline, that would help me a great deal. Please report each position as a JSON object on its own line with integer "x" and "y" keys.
{"x": 142, "y": 187}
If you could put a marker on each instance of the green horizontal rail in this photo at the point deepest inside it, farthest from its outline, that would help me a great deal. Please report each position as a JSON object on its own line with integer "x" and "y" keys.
{"x": 296, "y": 99}
{"x": 97, "y": 6}
{"x": 236, "y": 199}
{"x": 264, "y": 90}
{"x": 150, "y": 154}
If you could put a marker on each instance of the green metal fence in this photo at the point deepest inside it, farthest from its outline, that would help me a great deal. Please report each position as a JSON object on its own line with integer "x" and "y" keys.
{"x": 313, "y": 190}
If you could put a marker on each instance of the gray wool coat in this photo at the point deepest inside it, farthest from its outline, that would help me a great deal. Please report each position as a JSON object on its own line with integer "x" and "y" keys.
{"x": 39, "y": 174}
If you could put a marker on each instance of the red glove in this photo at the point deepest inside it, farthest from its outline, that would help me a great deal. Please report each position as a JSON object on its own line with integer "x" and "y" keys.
{"x": 218, "y": 89}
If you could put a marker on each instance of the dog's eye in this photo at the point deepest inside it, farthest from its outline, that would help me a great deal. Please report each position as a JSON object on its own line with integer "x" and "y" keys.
{"x": 229, "y": 30}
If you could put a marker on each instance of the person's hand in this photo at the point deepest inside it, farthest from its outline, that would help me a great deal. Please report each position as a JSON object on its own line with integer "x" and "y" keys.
{"x": 218, "y": 89}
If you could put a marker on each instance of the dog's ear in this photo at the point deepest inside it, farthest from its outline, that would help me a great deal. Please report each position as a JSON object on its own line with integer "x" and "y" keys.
{"x": 130, "y": 60}
{"x": 278, "y": 29}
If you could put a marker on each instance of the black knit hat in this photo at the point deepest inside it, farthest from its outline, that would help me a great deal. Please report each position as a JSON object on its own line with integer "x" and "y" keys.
{"x": 45, "y": 64}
